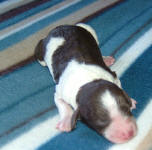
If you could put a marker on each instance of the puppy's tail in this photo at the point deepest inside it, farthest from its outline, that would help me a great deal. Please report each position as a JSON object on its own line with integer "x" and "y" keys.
{"x": 40, "y": 52}
{"x": 89, "y": 29}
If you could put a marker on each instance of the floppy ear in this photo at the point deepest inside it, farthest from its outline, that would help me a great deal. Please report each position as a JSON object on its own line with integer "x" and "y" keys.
{"x": 131, "y": 101}
{"x": 75, "y": 117}
{"x": 40, "y": 52}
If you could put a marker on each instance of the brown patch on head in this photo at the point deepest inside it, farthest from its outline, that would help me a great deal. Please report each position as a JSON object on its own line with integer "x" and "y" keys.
{"x": 90, "y": 108}
{"x": 122, "y": 99}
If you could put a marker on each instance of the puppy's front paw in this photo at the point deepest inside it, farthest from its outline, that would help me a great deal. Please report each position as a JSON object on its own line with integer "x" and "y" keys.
{"x": 64, "y": 125}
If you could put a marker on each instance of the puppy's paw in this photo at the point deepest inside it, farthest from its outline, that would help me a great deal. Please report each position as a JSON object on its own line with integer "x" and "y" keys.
{"x": 64, "y": 125}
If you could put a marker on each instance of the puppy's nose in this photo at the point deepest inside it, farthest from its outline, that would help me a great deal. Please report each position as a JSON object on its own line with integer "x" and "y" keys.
{"x": 130, "y": 133}
{"x": 127, "y": 135}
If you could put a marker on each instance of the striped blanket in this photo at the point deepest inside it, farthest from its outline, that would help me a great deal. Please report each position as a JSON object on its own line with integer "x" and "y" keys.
{"x": 27, "y": 112}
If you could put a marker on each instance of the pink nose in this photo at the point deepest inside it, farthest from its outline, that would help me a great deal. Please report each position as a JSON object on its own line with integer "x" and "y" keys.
{"x": 126, "y": 135}
{"x": 121, "y": 130}
{"x": 122, "y": 136}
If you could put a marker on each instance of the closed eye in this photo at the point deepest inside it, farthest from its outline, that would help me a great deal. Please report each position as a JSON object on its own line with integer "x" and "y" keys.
{"x": 101, "y": 125}
{"x": 125, "y": 109}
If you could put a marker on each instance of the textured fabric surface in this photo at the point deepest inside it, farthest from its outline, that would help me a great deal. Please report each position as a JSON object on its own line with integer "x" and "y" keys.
{"x": 27, "y": 112}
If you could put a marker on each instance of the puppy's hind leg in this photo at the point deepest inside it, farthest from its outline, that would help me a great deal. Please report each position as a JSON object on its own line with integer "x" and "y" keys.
{"x": 66, "y": 112}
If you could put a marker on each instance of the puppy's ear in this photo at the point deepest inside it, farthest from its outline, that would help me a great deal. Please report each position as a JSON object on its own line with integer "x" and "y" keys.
{"x": 40, "y": 52}
{"x": 75, "y": 117}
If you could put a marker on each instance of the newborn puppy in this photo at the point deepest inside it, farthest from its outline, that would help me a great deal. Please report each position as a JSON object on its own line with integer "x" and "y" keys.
{"x": 85, "y": 87}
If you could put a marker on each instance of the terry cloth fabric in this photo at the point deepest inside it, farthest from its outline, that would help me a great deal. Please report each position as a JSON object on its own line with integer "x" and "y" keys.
{"x": 27, "y": 112}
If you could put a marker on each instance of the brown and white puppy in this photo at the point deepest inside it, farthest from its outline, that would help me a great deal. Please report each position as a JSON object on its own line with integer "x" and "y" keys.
{"x": 85, "y": 86}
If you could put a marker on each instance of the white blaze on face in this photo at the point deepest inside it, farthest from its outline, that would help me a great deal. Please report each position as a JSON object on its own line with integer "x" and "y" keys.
{"x": 110, "y": 103}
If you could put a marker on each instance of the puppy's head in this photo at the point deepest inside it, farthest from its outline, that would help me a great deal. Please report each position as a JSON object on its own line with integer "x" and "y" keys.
{"x": 106, "y": 108}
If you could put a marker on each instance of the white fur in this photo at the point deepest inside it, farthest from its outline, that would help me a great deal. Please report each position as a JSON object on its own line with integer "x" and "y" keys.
{"x": 42, "y": 63}
{"x": 52, "y": 46}
{"x": 76, "y": 75}
{"x": 109, "y": 103}
{"x": 89, "y": 29}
